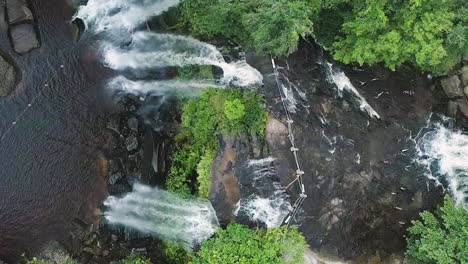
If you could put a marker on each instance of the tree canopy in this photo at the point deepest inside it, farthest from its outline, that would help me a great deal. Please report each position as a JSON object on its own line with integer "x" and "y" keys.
{"x": 440, "y": 238}
{"x": 238, "y": 244}
{"x": 428, "y": 33}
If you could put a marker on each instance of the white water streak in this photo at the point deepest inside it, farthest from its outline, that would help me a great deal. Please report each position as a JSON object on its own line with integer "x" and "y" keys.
{"x": 445, "y": 153}
{"x": 153, "y": 50}
{"x": 342, "y": 82}
{"x": 103, "y": 15}
{"x": 163, "y": 214}
{"x": 185, "y": 88}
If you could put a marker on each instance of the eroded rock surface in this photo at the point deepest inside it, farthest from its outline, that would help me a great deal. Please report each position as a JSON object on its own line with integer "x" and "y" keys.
{"x": 8, "y": 77}
{"x": 24, "y": 38}
{"x": 18, "y": 12}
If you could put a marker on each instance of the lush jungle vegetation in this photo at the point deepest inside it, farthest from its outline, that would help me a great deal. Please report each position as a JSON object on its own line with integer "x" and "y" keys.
{"x": 441, "y": 238}
{"x": 428, "y": 33}
{"x": 204, "y": 118}
{"x": 240, "y": 245}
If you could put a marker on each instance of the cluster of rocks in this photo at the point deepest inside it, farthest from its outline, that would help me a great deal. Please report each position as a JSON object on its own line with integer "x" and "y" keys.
{"x": 136, "y": 152}
{"x": 99, "y": 244}
{"x": 455, "y": 87}
{"x": 20, "y": 18}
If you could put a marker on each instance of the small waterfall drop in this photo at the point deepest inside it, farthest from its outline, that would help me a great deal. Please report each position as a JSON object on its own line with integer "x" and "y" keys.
{"x": 342, "y": 82}
{"x": 126, "y": 49}
{"x": 113, "y": 15}
{"x": 164, "y": 87}
{"x": 444, "y": 152}
{"x": 270, "y": 204}
{"x": 155, "y": 50}
{"x": 165, "y": 215}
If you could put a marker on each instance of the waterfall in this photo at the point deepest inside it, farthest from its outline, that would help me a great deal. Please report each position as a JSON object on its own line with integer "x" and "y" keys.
{"x": 127, "y": 49}
{"x": 342, "y": 82}
{"x": 165, "y": 87}
{"x": 165, "y": 215}
{"x": 444, "y": 152}
{"x": 114, "y": 15}
{"x": 269, "y": 204}
{"x": 154, "y": 50}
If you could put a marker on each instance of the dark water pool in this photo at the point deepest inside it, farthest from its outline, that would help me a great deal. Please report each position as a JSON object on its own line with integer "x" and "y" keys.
{"x": 49, "y": 162}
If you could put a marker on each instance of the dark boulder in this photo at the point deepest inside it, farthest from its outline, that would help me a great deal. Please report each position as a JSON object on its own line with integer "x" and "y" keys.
{"x": 18, "y": 12}
{"x": 24, "y": 38}
{"x": 452, "y": 86}
{"x": 8, "y": 77}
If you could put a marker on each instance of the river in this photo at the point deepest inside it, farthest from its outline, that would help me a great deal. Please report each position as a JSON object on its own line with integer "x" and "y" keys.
{"x": 49, "y": 160}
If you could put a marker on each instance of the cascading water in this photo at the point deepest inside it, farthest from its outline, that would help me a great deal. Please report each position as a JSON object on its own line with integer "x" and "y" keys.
{"x": 160, "y": 213}
{"x": 444, "y": 152}
{"x": 114, "y": 15}
{"x": 185, "y": 88}
{"x": 151, "y": 210}
{"x": 144, "y": 50}
{"x": 155, "y": 50}
{"x": 342, "y": 82}
{"x": 270, "y": 204}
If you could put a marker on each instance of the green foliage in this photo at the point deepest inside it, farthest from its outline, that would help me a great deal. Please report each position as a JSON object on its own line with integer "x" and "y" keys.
{"x": 251, "y": 22}
{"x": 62, "y": 260}
{"x": 191, "y": 72}
{"x": 204, "y": 173}
{"x": 234, "y": 109}
{"x": 396, "y": 31}
{"x": 241, "y": 245}
{"x": 441, "y": 239}
{"x": 135, "y": 259}
{"x": 174, "y": 254}
{"x": 428, "y": 33}
{"x": 216, "y": 111}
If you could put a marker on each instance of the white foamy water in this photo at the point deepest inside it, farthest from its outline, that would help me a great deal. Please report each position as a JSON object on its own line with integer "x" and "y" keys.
{"x": 153, "y": 50}
{"x": 109, "y": 15}
{"x": 164, "y": 215}
{"x": 445, "y": 153}
{"x": 185, "y": 88}
{"x": 342, "y": 82}
{"x": 270, "y": 209}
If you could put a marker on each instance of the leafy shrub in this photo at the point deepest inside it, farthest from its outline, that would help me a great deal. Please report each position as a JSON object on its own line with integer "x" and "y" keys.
{"x": 195, "y": 72}
{"x": 441, "y": 239}
{"x": 204, "y": 173}
{"x": 135, "y": 259}
{"x": 241, "y": 245}
{"x": 251, "y": 23}
{"x": 204, "y": 118}
{"x": 174, "y": 254}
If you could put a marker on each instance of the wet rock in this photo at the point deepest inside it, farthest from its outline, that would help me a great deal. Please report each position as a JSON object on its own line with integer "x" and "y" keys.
{"x": 94, "y": 250}
{"x": 114, "y": 178}
{"x": 452, "y": 108}
{"x": 117, "y": 189}
{"x": 131, "y": 142}
{"x": 464, "y": 76}
{"x": 24, "y": 38}
{"x": 452, "y": 86}
{"x": 133, "y": 124}
{"x": 463, "y": 108}
{"x": 18, "y": 12}
{"x": 7, "y": 77}
{"x": 54, "y": 253}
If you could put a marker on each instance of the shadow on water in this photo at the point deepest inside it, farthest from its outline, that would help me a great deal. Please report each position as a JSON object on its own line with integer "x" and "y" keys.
{"x": 50, "y": 161}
